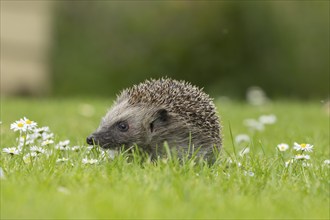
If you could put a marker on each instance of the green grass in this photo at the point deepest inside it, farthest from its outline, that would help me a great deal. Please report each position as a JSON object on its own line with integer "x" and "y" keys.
{"x": 122, "y": 188}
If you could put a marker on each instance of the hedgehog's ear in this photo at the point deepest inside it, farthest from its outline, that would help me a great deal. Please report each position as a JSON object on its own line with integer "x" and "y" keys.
{"x": 159, "y": 120}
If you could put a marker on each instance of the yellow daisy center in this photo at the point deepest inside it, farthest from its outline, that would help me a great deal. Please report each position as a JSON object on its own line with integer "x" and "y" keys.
{"x": 303, "y": 145}
{"x": 28, "y": 121}
{"x": 20, "y": 125}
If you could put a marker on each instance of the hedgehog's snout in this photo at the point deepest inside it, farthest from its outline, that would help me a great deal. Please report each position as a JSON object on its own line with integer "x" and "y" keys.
{"x": 90, "y": 140}
{"x": 97, "y": 139}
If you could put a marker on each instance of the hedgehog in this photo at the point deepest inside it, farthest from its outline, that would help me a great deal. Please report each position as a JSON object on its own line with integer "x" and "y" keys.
{"x": 156, "y": 112}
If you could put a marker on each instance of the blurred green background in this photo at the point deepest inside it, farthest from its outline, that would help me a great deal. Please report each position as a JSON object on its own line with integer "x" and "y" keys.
{"x": 101, "y": 47}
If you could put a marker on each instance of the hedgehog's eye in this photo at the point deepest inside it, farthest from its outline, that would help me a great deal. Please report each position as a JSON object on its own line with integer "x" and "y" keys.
{"x": 122, "y": 126}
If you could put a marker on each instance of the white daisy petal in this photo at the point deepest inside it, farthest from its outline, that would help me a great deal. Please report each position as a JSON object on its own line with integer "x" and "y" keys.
{"x": 12, "y": 150}
{"x": 38, "y": 150}
{"x": 254, "y": 124}
{"x": 19, "y": 126}
{"x": 240, "y": 138}
{"x": 303, "y": 147}
{"x": 267, "y": 119}
{"x": 30, "y": 125}
{"x": 89, "y": 161}
{"x": 47, "y": 142}
{"x": 302, "y": 157}
{"x": 282, "y": 147}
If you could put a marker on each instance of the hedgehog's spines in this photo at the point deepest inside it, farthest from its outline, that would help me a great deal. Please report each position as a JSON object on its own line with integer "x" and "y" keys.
{"x": 187, "y": 101}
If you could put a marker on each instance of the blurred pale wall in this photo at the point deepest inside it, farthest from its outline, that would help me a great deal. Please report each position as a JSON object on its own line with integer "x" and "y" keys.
{"x": 25, "y": 43}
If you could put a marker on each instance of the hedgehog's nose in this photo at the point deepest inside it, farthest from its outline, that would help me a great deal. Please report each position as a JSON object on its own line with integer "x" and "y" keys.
{"x": 90, "y": 140}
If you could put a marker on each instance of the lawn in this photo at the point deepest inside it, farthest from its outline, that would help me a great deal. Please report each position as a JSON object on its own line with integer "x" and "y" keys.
{"x": 250, "y": 179}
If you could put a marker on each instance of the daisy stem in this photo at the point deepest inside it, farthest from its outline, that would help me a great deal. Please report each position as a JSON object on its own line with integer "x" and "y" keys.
{"x": 281, "y": 155}
{"x": 24, "y": 139}
{"x": 306, "y": 181}
{"x": 22, "y": 134}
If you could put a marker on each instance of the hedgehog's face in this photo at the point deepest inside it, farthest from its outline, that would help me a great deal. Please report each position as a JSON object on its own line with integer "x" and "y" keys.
{"x": 124, "y": 126}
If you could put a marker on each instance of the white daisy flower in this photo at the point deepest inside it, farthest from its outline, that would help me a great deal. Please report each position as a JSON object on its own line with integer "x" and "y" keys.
{"x": 47, "y": 142}
{"x": 38, "y": 150}
{"x": 19, "y": 126}
{"x": 32, "y": 137}
{"x": 267, "y": 119}
{"x": 42, "y": 130}
{"x": 63, "y": 159}
{"x": 31, "y": 125}
{"x": 76, "y": 148}
{"x": 326, "y": 162}
{"x": 89, "y": 161}
{"x": 254, "y": 124}
{"x": 302, "y": 157}
{"x": 35, "y": 136}
{"x": 46, "y": 136}
{"x": 244, "y": 151}
{"x": 64, "y": 143}
{"x": 240, "y": 138}
{"x": 58, "y": 147}
{"x": 303, "y": 147}
{"x": 282, "y": 147}
{"x": 12, "y": 150}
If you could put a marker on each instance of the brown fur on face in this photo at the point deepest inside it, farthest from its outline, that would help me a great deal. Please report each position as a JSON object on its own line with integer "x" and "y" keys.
{"x": 162, "y": 110}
